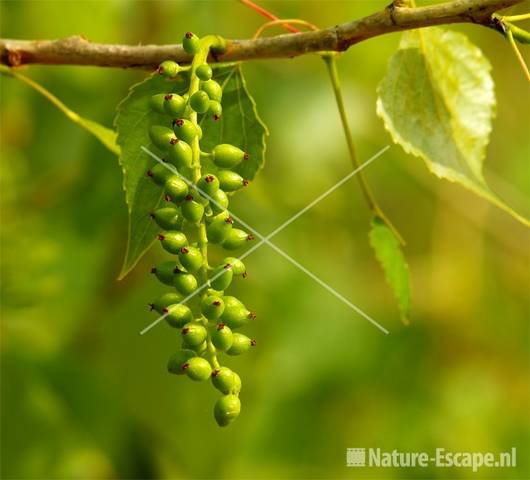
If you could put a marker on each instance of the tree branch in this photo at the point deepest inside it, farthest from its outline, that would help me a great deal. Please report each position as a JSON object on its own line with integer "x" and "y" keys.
{"x": 78, "y": 50}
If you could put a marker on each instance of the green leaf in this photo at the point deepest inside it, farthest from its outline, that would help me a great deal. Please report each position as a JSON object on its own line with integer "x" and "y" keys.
{"x": 239, "y": 125}
{"x": 389, "y": 255}
{"x": 437, "y": 102}
{"x": 105, "y": 135}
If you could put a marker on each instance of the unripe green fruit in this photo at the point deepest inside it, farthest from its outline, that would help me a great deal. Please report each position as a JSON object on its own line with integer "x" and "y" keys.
{"x": 193, "y": 334}
{"x": 219, "y": 230}
{"x": 213, "y": 89}
{"x": 190, "y": 43}
{"x": 174, "y": 105}
{"x": 173, "y": 241}
{"x": 161, "y": 136}
{"x": 222, "y": 337}
{"x": 219, "y": 202}
{"x": 204, "y": 72}
{"x": 238, "y": 267}
{"x": 177, "y": 360}
{"x": 212, "y": 307}
{"x": 223, "y": 379}
{"x": 156, "y": 102}
{"x": 231, "y": 181}
{"x": 168, "y": 68}
{"x": 221, "y": 278}
{"x": 200, "y": 349}
{"x": 180, "y": 154}
{"x": 185, "y": 130}
{"x": 240, "y": 344}
{"x": 236, "y": 388}
{"x": 235, "y": 314}
{"x": 200, "y": 102}
{"x": 159, "y": 173}
{"x": 165, "y": 300}
{"x": 215, "y": 109}
{"x": 185, "y": 283}
{"x": 227, "y": 156}
{"x": 236, "y": 239}
{"x": 226, "y": 409}
{"x": 197, "y": 369}
{"x": 165, "y": 272}
{"x": 208, "y": 184}
{"x": 176, "y": 189}
{"x": 178, "y": 315}
{"x": 190, "y": 258}
{"x": 192, "y": 210}
{"x": 166, "y": 218}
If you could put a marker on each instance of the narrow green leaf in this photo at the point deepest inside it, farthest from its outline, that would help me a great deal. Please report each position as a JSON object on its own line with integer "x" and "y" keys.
{"x": 239, "y": 125}
{"x": 389, "y": 255}
{"x": 105, "y": 135}
{"x": 437, "y": 101}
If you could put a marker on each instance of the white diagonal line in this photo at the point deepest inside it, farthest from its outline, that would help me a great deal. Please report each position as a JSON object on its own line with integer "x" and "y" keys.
{"x": 264, "y": 240}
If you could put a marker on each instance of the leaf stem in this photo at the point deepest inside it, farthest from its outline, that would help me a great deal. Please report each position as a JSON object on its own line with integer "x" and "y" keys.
{"x": 516, "y": 18}
{"x": 330, "y": 61}
{"x": 520, "y": 58}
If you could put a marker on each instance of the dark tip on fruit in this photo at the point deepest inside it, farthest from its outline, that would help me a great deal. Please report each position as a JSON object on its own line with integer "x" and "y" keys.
{"x": 167, "y": 198}
{"x": 165, "y": 310}
{"x": 246, "y": 156}
{"x": 250, "y": 237}
{"x": 160, "y": 237}
{"x": 220, "y": 326}
{"x": 152, "y": 215}
{"x": 185, "y": 331}
{"x": 229, "y": 220}
{"x": 174, "y": 140}
{"x": 209, "y": 178}
{"x": 178, "y": 122}
{"x": 160, "y": 70}
{"x": 216, "y": 372}
{"x": 216, "y": 117}
{"x": 176, "y": 270}
{"x": 184, "y": 250}
{"x": 245, "y": 183}
{"x": 151, "y": 306}
{"x": 245, "y": 275}
{"x": 252, "y": 316}
{"x": 153, "y": 270}
{"x": 185, "y": 366}
{"x": 188, "y": 197}
{"x": 169, "y": 96}
{"x": 149, "y": 173}
{"x": 217, "y": 303}
{"x": 189, "y": 34}
{"x": 253, "y": 343}
{"x": 228, "y": 266}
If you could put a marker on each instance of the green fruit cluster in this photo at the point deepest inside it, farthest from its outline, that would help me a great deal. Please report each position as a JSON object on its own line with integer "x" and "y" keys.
{"x": 196, "y": 186}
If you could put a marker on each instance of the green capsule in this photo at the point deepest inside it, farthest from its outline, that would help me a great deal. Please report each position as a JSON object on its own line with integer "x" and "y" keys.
{"x": 204, "y": 72}
{"x": 197, "y": 369}
{"x": 215, "y": 109}
{"x": 173, "y": 241}
{"x": 165, "y": 272}
{"x": 191, "y": 210}
{"x": 222, "y": 337}
{"x": 213, "y": 89}
{"x": 221, "y": 278}
{"x": 191, "y": 43}
{"x": 161, "y": 136}
{"x": 200, "y": 102}
{"x": 212, "y": 307}
{"x": 177, "y": 360}
{"x": 219, "y": 230}
{"x": 180, "y": 154}
{"x": 236, "y": 239}
{"x": 185, "y": 130}
{"x": 165, "y": 300}
{"x": 190, "y": 258}
{"x": 174, "y": 105}
{"x": 168, "y": 68}
{"x": 238, "y": 267}
{"x": 176, "y": 189}
{"x": 228, "y": 156}
{"x": 219, "y": 202}
{"x": 223, "y": 379}
{"x": 166, "y": 218}
{"x": 231, "y": 181}
{"x": 178, "y": 315}
{"x": 156, "y": 103}
{"x": 236, "y": 388}
{"x": 193, "y": 334}
{"x": 235, "y": 314}
{"x": 226, "y": 409}
{"x": 240, "y": 344}
{"x": 208, "y": 184}
{"x": 159, "y": 173}
{"x": 185, "y": 283}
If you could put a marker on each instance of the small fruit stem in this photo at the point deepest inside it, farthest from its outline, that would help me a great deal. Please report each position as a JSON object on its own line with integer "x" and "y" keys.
{"x": 329, "y": 59}
{"x": 518, "y": 55}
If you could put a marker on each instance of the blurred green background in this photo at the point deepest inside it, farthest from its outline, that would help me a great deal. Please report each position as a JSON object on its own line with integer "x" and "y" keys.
{"x": 85, "y": 396}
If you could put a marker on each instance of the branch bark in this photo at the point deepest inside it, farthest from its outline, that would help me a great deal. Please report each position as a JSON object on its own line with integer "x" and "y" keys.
{"x": 78, "y": 50}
